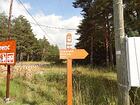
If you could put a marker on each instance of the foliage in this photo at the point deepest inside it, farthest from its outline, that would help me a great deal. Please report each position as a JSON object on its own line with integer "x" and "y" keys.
{"x": 90, "y": 87}
{"x": 97, "y": 30}
{"x": 3, "y": 26}
{"x": 29, "y": 48}
{"x": 24, "y": 37}
{"x": 53, "y": 54}
{"x": 132, "y": 17}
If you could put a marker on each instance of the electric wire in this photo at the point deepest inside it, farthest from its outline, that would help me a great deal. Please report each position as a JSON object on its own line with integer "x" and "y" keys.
{"x": 35, "y": 20}
{"x": 50, "y": 27}
{"x": 40, "y": 26}
{"x": 53, "y": 27}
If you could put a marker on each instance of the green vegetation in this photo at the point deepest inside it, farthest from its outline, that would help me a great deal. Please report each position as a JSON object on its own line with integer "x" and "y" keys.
{"x": 97, "y": 30}
{"x": 96, "y": 33}
{"x": 90, "y": 87}
{"x": 29, "y": 48}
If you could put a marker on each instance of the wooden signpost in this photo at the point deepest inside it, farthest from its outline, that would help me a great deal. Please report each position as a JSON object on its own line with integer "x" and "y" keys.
{"x": 8, "y": 57}
{"x": 71, "y": 54}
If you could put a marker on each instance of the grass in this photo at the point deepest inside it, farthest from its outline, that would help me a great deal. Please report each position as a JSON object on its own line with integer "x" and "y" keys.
{"x": 94, "y": 87}
{"x": 90, "y": 87}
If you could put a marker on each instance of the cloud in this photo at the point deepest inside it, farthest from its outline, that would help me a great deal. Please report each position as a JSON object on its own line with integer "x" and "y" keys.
{"x": 57, "y": 36}
{"x": 17, "y": 8}
{"x": 54, "y": 35}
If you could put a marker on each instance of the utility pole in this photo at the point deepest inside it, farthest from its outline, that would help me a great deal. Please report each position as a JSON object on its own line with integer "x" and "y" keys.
{"x": 9, "y": 20}
{"x": 120, "y": 44}
{"x": 8, "y": 66}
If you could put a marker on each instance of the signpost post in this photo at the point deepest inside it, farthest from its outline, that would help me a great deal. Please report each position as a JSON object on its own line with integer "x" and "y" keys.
{"x": 8, "y": 65}
{"x": 8, "y": 57}
{"x": 70, "y": 54}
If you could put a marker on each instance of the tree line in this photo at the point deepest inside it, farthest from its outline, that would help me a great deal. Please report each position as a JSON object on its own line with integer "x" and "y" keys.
{"x": 29, "y": 48}
{"x": 97, "y": 28}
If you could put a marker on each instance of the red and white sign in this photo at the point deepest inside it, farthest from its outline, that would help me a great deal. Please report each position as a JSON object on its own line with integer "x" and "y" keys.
{"x": 7, "y": 52}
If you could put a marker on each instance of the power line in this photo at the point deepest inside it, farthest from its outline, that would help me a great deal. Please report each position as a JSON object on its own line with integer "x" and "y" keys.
{"x": 34, "y": 19}
{"x": 53, "y": 27}
{"x": 36, "y": 23}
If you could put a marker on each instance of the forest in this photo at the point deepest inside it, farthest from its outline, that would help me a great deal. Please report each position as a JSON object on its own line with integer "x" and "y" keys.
{"x": 35, "y": 80}
{"x": 96, "y": 33}
{"x": 29, "y": 48}
{"x": 97, "y": 28}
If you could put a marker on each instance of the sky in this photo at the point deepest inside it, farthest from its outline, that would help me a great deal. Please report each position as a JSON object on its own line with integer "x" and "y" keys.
{"x": 59, "y": 7}
{"x": 53, "y": 13}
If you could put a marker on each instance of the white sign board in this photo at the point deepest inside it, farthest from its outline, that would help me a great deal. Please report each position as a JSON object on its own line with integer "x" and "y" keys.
{"x": 133, "y": 60}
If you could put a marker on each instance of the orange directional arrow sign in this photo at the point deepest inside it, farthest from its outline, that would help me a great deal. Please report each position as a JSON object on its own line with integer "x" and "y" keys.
{"x": 79, "y": 54}
{"x": 73, "y": 53}
{"x": 70, "y": 54}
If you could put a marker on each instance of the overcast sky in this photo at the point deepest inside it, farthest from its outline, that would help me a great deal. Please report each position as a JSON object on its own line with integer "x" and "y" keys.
{"x": 53, "y": 13}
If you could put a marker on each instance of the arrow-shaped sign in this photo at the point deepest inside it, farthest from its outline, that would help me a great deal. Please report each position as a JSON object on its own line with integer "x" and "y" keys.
{"x": 73, "y": 54}
{"x": 70, "y": 54}
{"x": 79, "y": 54}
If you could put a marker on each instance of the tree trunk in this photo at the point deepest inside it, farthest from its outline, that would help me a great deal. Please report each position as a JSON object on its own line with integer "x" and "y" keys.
{"x": 28, "y": 57}
{"x": 110, "y": 42}
{"x": 92, "y": 44}
{"x": 43, "y": 53}
{"x": 20, "y": 56}
{"x": 91, "y": 53}
{"x": 106, "y": 42}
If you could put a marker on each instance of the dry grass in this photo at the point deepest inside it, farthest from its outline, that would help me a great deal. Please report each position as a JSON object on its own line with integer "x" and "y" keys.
{"x": 47, "y": 85}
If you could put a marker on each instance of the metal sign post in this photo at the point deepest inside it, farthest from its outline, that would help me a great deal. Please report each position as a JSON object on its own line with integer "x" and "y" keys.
{"x": 70, "y": 54}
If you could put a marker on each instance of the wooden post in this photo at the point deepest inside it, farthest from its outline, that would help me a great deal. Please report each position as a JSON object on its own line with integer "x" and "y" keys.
{"x": 71, "y": 54}
{"x": 8, "y": 66}
{"x": 9, "y": 20}
{"x": 8, "y": 82}
{"x": 69, "y": 70}
{"x": 69, "y": 81}
{"x": 120, "y": 44}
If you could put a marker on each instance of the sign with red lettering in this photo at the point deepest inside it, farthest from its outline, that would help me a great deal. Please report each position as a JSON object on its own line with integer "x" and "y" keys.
{"x": 8, "y": 52}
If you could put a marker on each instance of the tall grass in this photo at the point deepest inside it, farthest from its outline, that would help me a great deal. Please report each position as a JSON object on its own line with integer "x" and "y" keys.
{"x": 90, "y": 87}
{"x": 94, "y": 87}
